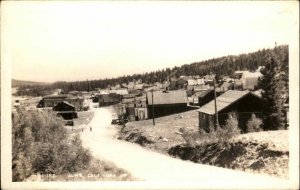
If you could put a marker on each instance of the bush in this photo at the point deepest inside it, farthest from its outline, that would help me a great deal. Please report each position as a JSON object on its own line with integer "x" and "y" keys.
{"x": 231, "y": 127}
{"x": 220, "y": 134}
{"x": 40, "y": 145}
{"x": 254, "y": 124}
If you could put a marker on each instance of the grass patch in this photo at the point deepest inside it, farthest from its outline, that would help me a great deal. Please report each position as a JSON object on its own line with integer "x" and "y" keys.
{"x": 97, "y": 170}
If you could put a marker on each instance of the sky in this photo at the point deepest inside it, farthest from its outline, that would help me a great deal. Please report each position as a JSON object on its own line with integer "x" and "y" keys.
{"x": 68, "y": 41}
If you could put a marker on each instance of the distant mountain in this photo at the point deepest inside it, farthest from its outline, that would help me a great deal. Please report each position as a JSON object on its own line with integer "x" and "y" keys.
{"x": 18, "y": 83}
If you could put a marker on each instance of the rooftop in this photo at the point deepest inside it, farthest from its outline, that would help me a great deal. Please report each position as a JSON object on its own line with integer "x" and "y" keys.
{"x": 169, "y": 97}
{"x": 223, "y": 101}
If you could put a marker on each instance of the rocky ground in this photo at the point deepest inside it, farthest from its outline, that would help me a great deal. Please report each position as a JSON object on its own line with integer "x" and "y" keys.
{"x": 263, "y": 152}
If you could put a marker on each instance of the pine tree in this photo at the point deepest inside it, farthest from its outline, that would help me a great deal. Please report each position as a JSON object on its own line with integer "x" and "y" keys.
{"x": 274, "y": 84}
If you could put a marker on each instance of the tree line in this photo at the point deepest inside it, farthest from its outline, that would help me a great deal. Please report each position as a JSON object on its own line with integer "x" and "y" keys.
{"x": 221, "y": 66}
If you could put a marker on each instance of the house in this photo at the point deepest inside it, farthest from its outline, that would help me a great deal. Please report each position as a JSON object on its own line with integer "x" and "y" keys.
{"x": 78, "y": 102}
{"x": 209, "y": 78}
{"x": 193, "y": 82}
{"x": 205, "y": 97}
{"x": 66, "y": 110}
{"x": 176, "y": 84}
{"x": 196, "y": 88}
{"x": 182, "y": 83}
{"x": 52, "y": 100}
{"x": 249, "y": 79}
{"x": 135, "y": 108}
{"x": 201, "y": 88}
{"x": 226, "y": 86}
{"x": 130, "y": 85}
{"x": 167, "y": 102}
{"x": 173, "y": 83}
{"x": 109, "y": 99}
{"x": 242, "y": 103}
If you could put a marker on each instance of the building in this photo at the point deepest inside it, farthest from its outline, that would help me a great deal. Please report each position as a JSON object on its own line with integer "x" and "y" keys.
{"x": 109, "y": 99}
{"x": 226, "y": 86}
{"x": 53, "y": 100}
{"x": 135, "y": 108}
{"x": 167, "y": 102}
{"x": 66, "y": 110}
{"x": 242, "y": 103}
{"x": 249, "y": 79}
{"x": 205, "y": 97}
{"x": 120, "y": 91}
{"x": 78, "y": 102}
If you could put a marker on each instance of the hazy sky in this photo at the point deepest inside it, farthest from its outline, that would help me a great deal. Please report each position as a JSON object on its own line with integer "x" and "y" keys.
{"x": 50, "y": 41}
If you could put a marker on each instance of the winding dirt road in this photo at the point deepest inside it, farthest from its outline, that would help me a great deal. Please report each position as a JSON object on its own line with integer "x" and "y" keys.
{"x": 154, "y": 167}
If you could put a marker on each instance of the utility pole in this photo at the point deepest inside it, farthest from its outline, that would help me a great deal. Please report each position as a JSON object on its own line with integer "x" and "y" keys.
{"x": 152, "y": 109}
{"x": 216, "y": 111}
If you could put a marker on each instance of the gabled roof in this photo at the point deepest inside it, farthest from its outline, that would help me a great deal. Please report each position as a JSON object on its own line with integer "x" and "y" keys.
{"x": 169, "y": 97}
{"x": 65, "y": 102}
{"x": 224, "y": 101}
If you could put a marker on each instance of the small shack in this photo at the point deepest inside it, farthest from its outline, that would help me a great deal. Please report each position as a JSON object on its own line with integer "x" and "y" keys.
{"x": 66, "y": 110}
{"x": 242, "y": 103}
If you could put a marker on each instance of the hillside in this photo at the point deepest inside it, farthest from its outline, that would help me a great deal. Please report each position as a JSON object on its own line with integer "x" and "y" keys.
{"x": 18, "y": 83}
{"x": 222, "y": 66}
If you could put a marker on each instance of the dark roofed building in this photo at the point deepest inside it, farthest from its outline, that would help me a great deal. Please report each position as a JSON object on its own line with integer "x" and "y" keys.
{"x": 51, "y": 101}
{"x": 206, "y": 97}
{"x": 243, "y": 103}
{"x": 65, "y": 109}
{"x": 167, "y": 102}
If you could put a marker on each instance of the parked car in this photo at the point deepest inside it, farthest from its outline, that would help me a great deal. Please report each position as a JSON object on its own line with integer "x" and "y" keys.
{"x": 119, "y": 121}
{"x": 70, "y": 123}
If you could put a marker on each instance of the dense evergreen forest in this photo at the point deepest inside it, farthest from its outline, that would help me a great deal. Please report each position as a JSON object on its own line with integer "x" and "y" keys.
{"x": 221, "y": 66}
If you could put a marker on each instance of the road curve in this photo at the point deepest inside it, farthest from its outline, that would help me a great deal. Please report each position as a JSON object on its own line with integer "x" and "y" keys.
{"x": 154, "y": 167}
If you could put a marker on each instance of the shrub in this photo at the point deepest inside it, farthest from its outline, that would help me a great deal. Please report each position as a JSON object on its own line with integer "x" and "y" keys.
{"x": 231, "y": 127}
{"x": 40, "y": 145}
{"x": 220, "y": 134}
{"x": 254, "y": 124}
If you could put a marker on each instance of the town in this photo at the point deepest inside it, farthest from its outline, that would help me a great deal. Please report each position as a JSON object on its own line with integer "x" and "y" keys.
{"x": 180, "y": 117}
{"x": 137, "y": 101}
{"x": 149, "y": 95}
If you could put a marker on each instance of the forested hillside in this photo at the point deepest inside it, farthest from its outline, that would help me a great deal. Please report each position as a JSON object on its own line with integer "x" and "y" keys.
{"x": 17, "y": 83}
{"x": 225, "y": 65}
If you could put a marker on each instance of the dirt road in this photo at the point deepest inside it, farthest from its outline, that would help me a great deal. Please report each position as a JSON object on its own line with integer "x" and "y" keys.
{"x": 154, "y": 167}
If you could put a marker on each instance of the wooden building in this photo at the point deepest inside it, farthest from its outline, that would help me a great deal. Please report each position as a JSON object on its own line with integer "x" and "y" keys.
{"x": 53, "y": 100}
{"x": 66, "y": 110}
{"x": 109, "y": 99}
{"x": 135, "y": 108}
{"x": 242, "y": 103}
{"x": 226, "y": 86}
{"x": 205, "y": 97}
{"x": 167, "y": 102}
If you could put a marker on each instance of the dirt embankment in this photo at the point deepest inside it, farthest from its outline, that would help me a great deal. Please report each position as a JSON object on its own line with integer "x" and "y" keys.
{"x": 239, "y": 155}
{"x": 263, "y": 152}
